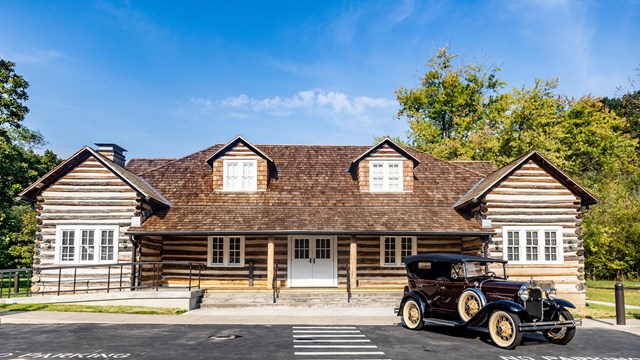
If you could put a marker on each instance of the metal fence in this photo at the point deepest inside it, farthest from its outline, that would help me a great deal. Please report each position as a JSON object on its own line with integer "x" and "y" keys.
{"x": 79, "y": 279}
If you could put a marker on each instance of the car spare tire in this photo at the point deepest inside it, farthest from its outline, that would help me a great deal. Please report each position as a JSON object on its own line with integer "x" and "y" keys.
{"x": 469, "y": 304}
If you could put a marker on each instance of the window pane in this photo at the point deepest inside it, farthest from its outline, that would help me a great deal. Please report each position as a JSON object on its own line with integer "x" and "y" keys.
{"x": 513, "y": 246}
{"x": 87, "y": 245}
{"x": 531, "y": 249}
{"x": 390, "y": 250}
{"x": 377, "y": 176}
{"x": 67, "y": 246}
{"x": 232, "y": 181}
{"x": 407, "y": 248}
{"x": 301, "y": 248}
{"x": 550, "y": 246}
{"x": 217, "y": 250}
{"x": 107, "y": 245}
{"x": 248, "y": 178}
{"x": 234, "y": 250}
{"x": 394, "y": 176}
{"x": 323, "y": 249}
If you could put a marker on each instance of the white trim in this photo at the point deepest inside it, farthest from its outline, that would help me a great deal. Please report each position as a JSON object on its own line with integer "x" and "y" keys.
{"x": 225, "y": 251}
{"x": 77, "y": 243}
{"x": 398, "y": 250}
{"x": 240, "y": 162}
{"x": 385, "y": 174}
{"x": 541, "y": 243}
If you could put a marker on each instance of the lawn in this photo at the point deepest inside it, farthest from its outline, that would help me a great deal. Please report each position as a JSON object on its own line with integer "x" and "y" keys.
{"x": 602, "y": 290}
{"x": 92, "y": 308}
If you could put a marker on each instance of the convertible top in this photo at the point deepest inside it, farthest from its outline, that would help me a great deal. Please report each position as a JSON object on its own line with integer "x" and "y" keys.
{"x": 449, "y": 258}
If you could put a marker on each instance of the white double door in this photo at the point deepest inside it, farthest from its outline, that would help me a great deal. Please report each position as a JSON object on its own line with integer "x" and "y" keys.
{"x": 312, "y": 261}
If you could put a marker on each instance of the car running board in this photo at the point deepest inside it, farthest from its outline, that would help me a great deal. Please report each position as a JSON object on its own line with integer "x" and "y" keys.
{"x": 443, "y": 322}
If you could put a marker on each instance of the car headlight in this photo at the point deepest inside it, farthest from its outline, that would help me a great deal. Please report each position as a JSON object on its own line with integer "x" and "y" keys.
{"x": 551, "y": 294}
{"x": 524, "y": 292}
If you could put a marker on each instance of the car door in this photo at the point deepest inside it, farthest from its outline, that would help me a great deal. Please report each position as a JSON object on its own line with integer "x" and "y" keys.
{"x": 450, "y": 290}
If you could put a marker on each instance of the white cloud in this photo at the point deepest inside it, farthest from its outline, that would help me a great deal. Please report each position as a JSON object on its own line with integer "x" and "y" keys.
{"x": 310, "y": 100}
{"x": 201, "y": 104}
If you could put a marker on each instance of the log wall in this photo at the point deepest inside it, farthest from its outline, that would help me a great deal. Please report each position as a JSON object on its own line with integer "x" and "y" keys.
{"x": 195, "y": 249}
{"x": 532, "y": 197}
{"x": 89, "y": 194}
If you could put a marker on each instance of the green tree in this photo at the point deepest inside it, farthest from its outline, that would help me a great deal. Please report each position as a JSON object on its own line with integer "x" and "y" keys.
{"x": 458, "y": 112}
{"x": 20, "y": 165}
{"x": 455, "y": 105}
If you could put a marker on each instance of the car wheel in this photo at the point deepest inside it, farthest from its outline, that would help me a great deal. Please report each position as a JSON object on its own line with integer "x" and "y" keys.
{"x": 468, "y": 305}
{"x": 561, "y": 336}
{"x": 503, "y": 329}
{"x": 412, "y": 315}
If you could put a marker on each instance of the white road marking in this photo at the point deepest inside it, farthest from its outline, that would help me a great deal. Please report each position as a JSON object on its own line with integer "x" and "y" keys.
{"x": 318, "y": 353}
{"x": 336, "y": 346}
{"x": 325, "y": 327}
{"x": 331, "y": 336}
{"x": 327, "y": 331}
{"x": 330, "y": 340}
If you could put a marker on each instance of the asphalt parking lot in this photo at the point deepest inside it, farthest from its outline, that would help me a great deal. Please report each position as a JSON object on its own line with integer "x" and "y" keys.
{"x": 117, "y": 341}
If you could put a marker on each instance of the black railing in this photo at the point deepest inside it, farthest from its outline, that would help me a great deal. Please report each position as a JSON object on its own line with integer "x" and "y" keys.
{"x": 66, "y": 280}
{"x": 274, "y": 283}
{"x": 349, "y": 283}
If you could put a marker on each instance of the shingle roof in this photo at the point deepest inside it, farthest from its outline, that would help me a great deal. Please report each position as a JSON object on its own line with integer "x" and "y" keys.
{"x": 141, "y": 165}
{"x": 497, "y": 176}
{"x": 313, "y": 191}
{"x": 335, "y": 220}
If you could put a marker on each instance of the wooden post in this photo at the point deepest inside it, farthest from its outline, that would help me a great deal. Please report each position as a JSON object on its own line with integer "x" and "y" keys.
{"x": 353, "y": 261}
{"x": 270, "y": 262}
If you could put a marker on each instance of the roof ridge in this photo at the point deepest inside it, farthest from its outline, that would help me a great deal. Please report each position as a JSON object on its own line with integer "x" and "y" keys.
{"x": 179, "y": 159}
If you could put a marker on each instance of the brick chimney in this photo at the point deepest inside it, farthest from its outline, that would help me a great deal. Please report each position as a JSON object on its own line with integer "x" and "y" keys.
{"x": 112, "y": 152}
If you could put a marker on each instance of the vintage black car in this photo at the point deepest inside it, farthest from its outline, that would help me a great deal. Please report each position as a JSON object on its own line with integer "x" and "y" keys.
{"x": 459, "y": 290}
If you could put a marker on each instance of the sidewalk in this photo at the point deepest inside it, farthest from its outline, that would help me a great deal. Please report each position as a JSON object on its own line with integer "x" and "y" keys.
{"x": 255, "y": 316}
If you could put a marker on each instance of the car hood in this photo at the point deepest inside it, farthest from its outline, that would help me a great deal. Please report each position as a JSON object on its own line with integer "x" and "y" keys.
{"x": 501, "y": 289}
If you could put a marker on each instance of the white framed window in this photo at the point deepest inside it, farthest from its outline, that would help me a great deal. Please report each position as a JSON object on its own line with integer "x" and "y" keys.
{"x": 86, "y": 244}
{"x": 532, "y": 244}
{"x": 385, "y": 175}
{"x": 394, "y": 249}
{"x": 240, "y": 175}
{"x": 225, "y": 251}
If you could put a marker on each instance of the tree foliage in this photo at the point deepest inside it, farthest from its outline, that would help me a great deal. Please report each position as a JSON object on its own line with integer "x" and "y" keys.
{"x": 20, "y": 165}
{"x": 463, "y": 112}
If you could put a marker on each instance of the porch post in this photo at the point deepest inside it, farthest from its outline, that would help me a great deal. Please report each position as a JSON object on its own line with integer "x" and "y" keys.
{"x": 270, "y": 262}
{"x": 353, "y": 262}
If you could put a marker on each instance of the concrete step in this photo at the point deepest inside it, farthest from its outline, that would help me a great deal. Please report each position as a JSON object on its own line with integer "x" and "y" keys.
{"x": 320, "y": 299}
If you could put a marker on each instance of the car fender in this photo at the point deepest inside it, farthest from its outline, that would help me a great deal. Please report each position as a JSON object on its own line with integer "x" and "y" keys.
{"x": 507, "y": 305}
{"x": 562, "y": 303}
{"x": 483, "y": 299}
{"x": 419, "y": 298}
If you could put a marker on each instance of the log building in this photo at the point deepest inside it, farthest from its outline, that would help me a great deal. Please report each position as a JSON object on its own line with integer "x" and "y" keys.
{"x": 314, "y": 216}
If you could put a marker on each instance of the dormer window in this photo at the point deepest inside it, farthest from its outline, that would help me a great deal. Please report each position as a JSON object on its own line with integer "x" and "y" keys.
{"x": 240, "y": 175}
{"x": 385, "y": 175}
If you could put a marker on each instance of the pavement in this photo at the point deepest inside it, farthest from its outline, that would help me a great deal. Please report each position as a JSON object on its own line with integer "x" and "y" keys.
{"x": 255, "y": 316}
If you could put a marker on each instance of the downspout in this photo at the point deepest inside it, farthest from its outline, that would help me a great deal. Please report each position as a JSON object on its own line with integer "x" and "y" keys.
{"x": 485, "y": 248}
{"x": 134, "y": 249}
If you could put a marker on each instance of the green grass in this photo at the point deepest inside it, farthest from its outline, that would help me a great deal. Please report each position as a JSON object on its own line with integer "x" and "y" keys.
{"x": 93, "y": 308}
{"x": 603, "y": 312}
{"x": 610, "y": 284}
{"x": 605, "y": 291}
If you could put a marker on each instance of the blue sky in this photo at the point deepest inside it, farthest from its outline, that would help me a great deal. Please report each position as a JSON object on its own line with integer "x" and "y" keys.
{"x": 164, "y": 79}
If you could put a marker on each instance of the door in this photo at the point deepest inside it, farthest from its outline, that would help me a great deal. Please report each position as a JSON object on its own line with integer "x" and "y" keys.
{"x": 312, "y": 260}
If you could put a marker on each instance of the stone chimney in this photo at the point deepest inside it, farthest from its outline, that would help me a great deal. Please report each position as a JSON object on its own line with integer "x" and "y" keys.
{"x": 112, "y": 152}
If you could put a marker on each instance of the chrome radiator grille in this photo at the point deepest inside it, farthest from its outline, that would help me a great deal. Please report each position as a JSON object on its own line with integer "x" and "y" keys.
{"x": 534, "y": 303}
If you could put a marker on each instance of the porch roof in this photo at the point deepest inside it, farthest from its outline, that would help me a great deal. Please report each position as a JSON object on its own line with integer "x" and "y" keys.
{"x": 337, "y": 220}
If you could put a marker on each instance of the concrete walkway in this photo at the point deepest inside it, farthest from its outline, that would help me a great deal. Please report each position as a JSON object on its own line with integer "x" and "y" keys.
{"x": 611, "y": 304}
{"x": 255, "y": 316}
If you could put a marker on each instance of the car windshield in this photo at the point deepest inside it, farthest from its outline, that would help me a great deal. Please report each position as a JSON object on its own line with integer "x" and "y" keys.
{"x": 485, "y": 269}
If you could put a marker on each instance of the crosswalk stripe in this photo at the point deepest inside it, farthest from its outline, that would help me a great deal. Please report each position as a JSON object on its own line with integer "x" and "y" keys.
{"x": 332, "y": 336}
{"x": 324, "y": 327}
{"x": 330, "y": 340}
{"x": 318, "y": 353}
{"x": 336, "y": 346}
{"x": 327, "y": 331}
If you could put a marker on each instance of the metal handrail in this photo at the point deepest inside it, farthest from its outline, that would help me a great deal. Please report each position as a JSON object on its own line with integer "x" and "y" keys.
{"x": 274, "y": 283}
{"x": 348, "y": 283}
{"x": 73, "y": 281}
